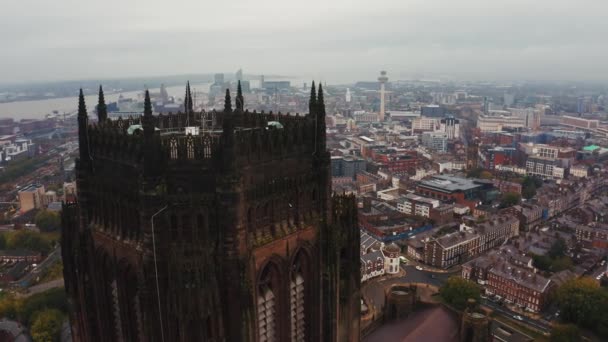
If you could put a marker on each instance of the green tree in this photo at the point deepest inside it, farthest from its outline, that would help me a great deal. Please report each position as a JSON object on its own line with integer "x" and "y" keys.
{"x": 456, "y": 291}
{"x": 46, "y": 325}
{"x": 509, "y": 199}
{"x": 47, "y": 220}
{"x": 528, "y": 191}
{"x": 486, "y": 175}
{"x": 25, "y": 239}
{"x": 558, "y": 248}
{"x": 474, "y": 173}
{"x": 565, "y": 333}
{"x": 9, "y": 306}
{"x": 529, "y": 186}
{"x": 584, "y": 303}
{"x": 561, "y": 263}
{"x": 542, "y": 262}
{"x": 50, "y": 299}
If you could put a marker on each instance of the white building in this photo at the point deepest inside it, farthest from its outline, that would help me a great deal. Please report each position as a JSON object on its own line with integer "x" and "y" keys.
{"x": 451, "y": 127}
{"x": 424, "y": 124}
{"x": 391, "y": 254}
{"x": 436, "y": 141}
{"x": 412, "y": 204}
{"x": 497, "y": 120}
{"x": 579, "y": 171}
{"x": 363, "y": 116}
{"x": 13, "y": 149}
{"x": 530, "y": 116}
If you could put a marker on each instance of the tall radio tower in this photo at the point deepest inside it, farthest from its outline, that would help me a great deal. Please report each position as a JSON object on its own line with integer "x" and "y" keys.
{"x": 382, "y": 79}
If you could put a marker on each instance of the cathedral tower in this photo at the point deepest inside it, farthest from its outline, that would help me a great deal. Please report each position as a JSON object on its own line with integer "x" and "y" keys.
{"x": 228, "y": 235}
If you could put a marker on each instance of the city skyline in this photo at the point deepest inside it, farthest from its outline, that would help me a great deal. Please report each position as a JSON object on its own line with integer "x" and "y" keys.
{"x": 336, "y": 42}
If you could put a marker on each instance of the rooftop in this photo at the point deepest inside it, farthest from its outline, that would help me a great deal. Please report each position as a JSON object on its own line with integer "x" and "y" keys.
{"x": 521, "y": 276}
{"x": 30, "y": 188}
{"x": 450, "y": 183}
{"x": 456, "y": 238}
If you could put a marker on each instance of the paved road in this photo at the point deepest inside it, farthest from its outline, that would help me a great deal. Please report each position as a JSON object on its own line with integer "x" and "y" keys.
{"x": 374, "y": 292}
{"x": 51, "y": 259}
{"x": 538, "y": 324}
{"x": 44, "y": 286}
{"x": 374, "y": 289}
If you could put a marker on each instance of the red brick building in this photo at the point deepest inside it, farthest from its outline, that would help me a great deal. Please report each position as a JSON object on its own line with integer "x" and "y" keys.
{"x": 518, "y": 286}
{"x": 20, "y": 255}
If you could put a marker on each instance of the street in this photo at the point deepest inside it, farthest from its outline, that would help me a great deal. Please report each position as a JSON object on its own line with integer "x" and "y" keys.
{"x": 52, "y": 258}
{"x": 373, "y": 291}
{"x": 538, "y": 324}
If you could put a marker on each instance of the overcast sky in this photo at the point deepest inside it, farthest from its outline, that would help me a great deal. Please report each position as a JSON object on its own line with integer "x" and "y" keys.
{"x": 334, "y": 40}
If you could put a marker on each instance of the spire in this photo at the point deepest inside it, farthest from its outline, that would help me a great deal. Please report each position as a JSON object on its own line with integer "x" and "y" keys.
{"x": 83, "y": 140}
{"x": 147, "y": 121}
{"x": 102, "y": 109}
{"x": 188, "y": 104}
{"x": 150, "y": 143}
{"x": 240, "y": 101}
{"x": 82, "y": 107}
{"x": 227, "y": 102}
{"x": 313, "y": 98}
{"x": 320, "y": 119}
{"x": 320, "y": 100}
{"x": 147, "y": 105}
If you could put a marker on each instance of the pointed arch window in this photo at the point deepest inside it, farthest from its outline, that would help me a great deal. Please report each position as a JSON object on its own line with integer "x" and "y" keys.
{"x": 173, "y": 148}
{"x": 116, "y": 310}
{"x": 190, "y": 147}
{"x": 297, "y": 301}
{"x": 267, "y": 305}
{"x": 207, "y": 147}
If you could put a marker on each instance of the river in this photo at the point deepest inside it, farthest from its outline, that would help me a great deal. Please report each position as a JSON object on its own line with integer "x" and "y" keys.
{"x": 39, "y": 108}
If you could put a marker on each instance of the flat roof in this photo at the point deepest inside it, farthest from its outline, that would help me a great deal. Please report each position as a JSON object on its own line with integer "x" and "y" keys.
{"x": 449, "y": 183}
{"x": 591, "y": 148}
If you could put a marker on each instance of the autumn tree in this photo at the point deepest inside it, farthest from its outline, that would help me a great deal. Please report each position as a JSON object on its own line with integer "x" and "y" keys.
{"x": 25, "y": 239}
{"x": 584, "y": 303}
{"x": 46, "y": 325}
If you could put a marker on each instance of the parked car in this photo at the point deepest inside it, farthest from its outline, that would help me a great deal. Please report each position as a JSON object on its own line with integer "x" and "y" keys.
{"x": 402, "y": 260}
{"x": 419, "y": 268}
{"x": 518, "y": 317}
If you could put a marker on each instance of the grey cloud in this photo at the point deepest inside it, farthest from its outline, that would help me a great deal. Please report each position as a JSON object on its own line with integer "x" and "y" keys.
{"x": 522, "y": 39}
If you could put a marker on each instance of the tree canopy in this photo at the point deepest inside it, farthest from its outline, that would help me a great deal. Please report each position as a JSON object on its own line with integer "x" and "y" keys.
{"x": 558, "y": 248}
{"x": 529, "y": 186}
{"x": 584, "y": 303}
{"x": 26, "y": 309}
{"x": 25, "y": 239}
{"x": 46, "y": 325}
{"x": 474, "y": 173}
{"x": 565, "y": 333}
{"x": 456, "y": 291}
{"x": 509, "y": 199}
{"x": 48, "y": 221}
